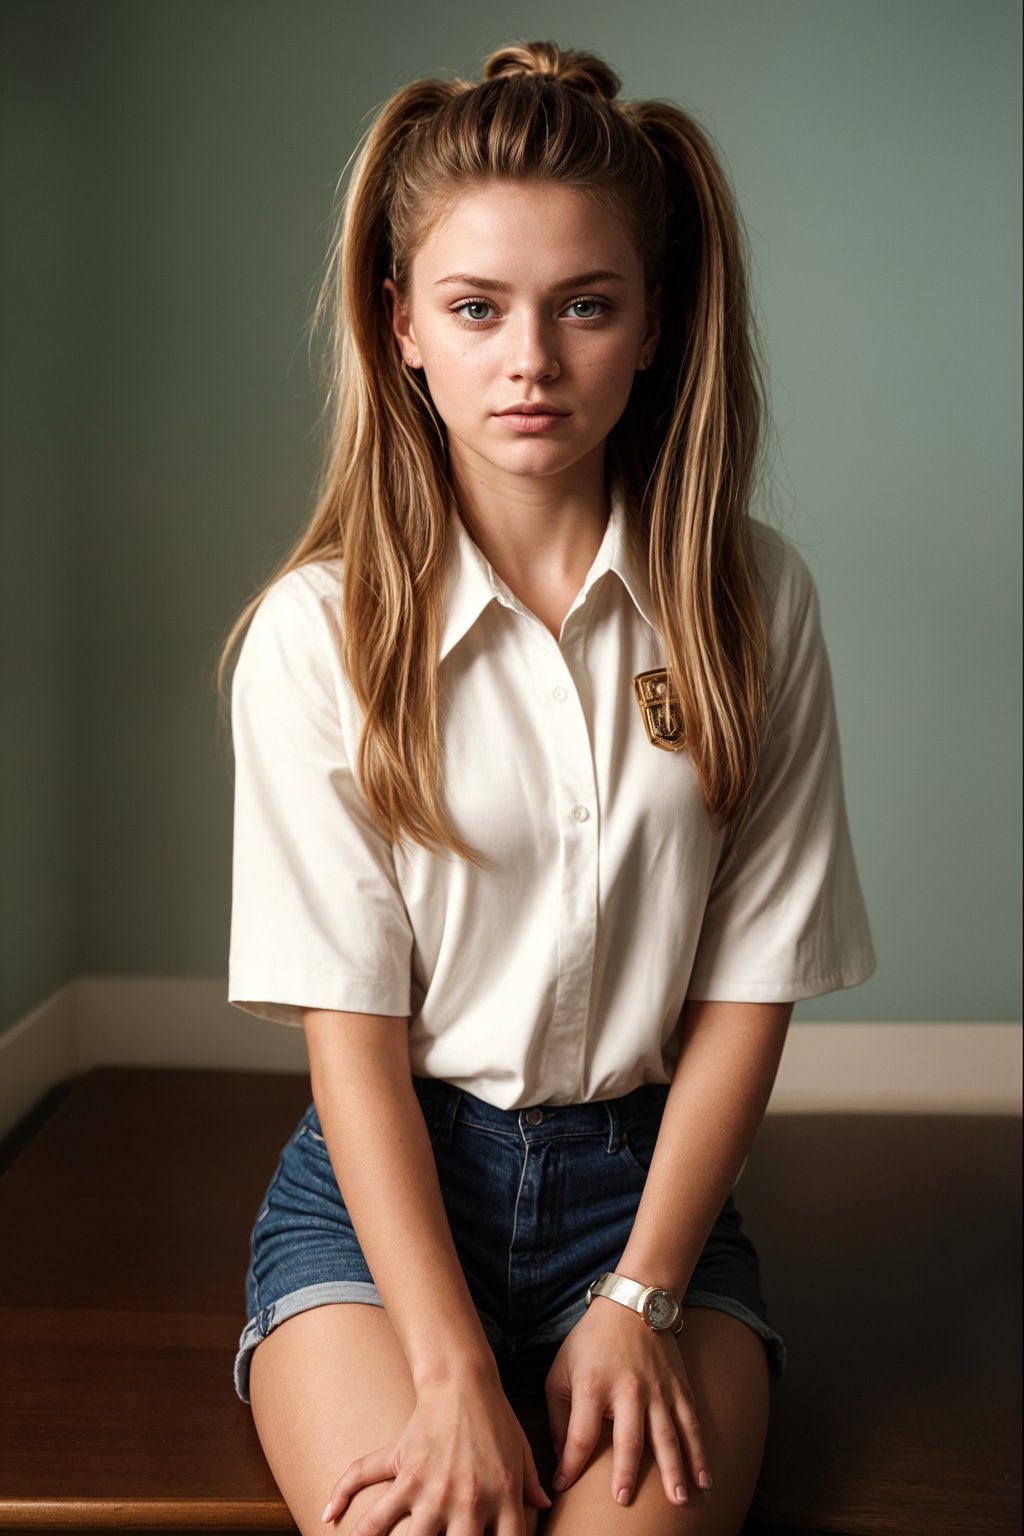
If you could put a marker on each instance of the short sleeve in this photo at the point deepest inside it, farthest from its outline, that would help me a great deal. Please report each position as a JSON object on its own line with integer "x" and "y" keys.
{"x": 785, "y": 916}
{"x": 317, "y": 917}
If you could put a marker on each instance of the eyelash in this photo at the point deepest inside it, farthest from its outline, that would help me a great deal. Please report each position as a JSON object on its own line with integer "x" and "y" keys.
{"x": 475, "y": 325}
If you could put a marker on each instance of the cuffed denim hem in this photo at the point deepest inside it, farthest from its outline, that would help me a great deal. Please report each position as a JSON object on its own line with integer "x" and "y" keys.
{"x": 773, "y": 1340}
{"x": 257, "y": 1328}
{"x": 553, "y": 1333}
{"x": 562, "y": 1325}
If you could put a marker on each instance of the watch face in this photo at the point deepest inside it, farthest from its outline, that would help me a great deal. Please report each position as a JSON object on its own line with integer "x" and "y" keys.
{"x": 661, "y": 1309}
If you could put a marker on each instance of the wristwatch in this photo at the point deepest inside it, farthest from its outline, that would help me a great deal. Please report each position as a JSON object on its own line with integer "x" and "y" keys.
{"x": 659, "y": 1309}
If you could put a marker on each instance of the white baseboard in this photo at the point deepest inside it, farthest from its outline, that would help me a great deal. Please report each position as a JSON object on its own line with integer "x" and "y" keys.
{"x": 36, "y": 1052}
{"x": 161, "y": 1021}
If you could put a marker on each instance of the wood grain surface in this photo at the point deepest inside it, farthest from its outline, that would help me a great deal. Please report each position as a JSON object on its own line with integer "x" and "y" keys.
{"x": 890, "y": 1262}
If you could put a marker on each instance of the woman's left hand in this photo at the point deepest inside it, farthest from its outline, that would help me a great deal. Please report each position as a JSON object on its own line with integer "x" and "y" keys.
{"x": 613, "y": 1366}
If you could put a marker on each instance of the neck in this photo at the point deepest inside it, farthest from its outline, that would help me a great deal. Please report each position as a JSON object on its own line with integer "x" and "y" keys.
{"x": 540, "y": 533}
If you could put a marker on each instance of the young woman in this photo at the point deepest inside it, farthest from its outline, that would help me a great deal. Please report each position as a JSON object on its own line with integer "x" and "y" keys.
{"x": 539, "y": 834}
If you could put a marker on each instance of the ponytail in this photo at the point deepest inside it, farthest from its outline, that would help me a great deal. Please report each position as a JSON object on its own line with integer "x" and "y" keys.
{"x": 698, "y": 462}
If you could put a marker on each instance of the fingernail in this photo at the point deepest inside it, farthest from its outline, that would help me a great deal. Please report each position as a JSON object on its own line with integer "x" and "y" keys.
{"x": 681, "y": 1494}
{"x": 704, "y": 1480}
{"x": 622, "y": 1496}
{"x": 559, "y": 1482}
{"x": 327, "y": 1512}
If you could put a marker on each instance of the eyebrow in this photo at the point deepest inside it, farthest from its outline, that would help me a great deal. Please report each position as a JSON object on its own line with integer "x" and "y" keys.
{"x": 467, "y": 279}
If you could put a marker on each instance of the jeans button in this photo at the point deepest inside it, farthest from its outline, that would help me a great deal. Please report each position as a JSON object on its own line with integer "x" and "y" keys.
{"x": 534, "y": 1117}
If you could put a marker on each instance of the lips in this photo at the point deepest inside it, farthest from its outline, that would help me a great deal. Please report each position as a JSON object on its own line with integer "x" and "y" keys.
{"x": 532, "y": 408}
{"x": 532, "y": 417}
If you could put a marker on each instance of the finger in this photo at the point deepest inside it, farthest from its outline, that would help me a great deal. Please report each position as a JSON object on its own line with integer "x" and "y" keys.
{"x": 510, "y": 1522}
{"x": 380, "y": 1517}
{"x": 374, "y": 1467}
{"x": 510, "y": 1517}
{"x": 627, "y": 1443}
{"x": 559, "y": 1400}
{"x": 533, "y": 1488}
{"x": 668, "y": 1453}
{"x": 693, "y": 1440}
{"x": 457, "y": 1525}
{"x": 581, "y": 1436}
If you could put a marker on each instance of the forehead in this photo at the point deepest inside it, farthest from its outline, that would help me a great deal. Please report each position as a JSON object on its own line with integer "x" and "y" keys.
{"x": 525, "y": 232}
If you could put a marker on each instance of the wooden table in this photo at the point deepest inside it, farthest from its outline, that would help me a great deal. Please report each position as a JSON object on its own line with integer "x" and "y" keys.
{"x": 890, "y": 1254}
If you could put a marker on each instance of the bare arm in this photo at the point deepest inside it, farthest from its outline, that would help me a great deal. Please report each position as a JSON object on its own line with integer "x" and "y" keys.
{"x": 609, "y": 1367}
{"x": 720, "y": 1089}
{"x": 377, "y": 1140}
{"x": 463, "y": 1457}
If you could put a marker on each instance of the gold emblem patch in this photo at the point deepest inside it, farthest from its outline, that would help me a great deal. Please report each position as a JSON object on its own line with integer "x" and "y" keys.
{"x": 662, "y": 720}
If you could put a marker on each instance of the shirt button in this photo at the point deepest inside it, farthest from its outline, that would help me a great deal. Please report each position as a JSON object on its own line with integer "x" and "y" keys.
{"x": 534, "y": 1117}
{"x": 560, "y": 694}
{"x": 580, "y": 813}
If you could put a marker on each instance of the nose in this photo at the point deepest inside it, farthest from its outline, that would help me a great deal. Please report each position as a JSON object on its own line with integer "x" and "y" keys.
{"x": 533, "y": 351}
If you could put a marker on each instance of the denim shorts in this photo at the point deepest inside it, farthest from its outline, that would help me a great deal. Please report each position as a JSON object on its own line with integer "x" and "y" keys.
{"x": 540, "y": 1202}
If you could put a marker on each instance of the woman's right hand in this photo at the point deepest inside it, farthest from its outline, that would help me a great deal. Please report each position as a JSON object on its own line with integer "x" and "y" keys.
{"x": 462, "y": 1464}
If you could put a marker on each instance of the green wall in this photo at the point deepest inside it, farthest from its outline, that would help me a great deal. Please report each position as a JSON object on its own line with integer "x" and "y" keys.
{"x": 170, "y": 171}
{"x": 45, "y": 510}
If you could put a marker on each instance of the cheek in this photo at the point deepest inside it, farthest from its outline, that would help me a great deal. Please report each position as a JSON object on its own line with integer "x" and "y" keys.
{"x": 611, "y": 373}
{"x": 453, "y": 369}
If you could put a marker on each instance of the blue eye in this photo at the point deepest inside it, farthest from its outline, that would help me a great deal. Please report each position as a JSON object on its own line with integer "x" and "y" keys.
{"x": 468, "y": 304}
{"x": 467, "y": 313}
{"x": 592, "y": 302}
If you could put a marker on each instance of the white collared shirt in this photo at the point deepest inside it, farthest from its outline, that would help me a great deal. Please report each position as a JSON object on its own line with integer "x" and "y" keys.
{"x": 558, "y": 973}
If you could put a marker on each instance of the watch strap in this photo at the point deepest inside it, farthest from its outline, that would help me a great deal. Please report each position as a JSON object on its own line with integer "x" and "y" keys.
{"x": 630, "y": 1293}
{"x": 617, "y": 1288}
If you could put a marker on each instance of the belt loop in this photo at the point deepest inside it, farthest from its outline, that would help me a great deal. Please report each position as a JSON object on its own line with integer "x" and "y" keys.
{"x": 450, "y": 1110}
{"x": 614, "y": 1131}
{"x": 440, "y": 1101}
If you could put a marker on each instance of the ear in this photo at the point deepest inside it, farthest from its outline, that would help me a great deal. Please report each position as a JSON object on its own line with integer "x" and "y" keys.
{"x": 652, "y": 331}
{"x": 401, "y": 324}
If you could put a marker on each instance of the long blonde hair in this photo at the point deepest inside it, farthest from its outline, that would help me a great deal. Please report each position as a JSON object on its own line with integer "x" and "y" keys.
{"x": 686, "y": 447}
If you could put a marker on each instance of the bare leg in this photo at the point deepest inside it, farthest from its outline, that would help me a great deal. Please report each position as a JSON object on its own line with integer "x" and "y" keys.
{"x": 728, "y": 1369}
{"x": 326, "y": 1386}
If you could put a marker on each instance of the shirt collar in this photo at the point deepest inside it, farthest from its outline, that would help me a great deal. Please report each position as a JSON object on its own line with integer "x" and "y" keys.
{"x": 473, "y": 583}
{"x": 627, "y": 562}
